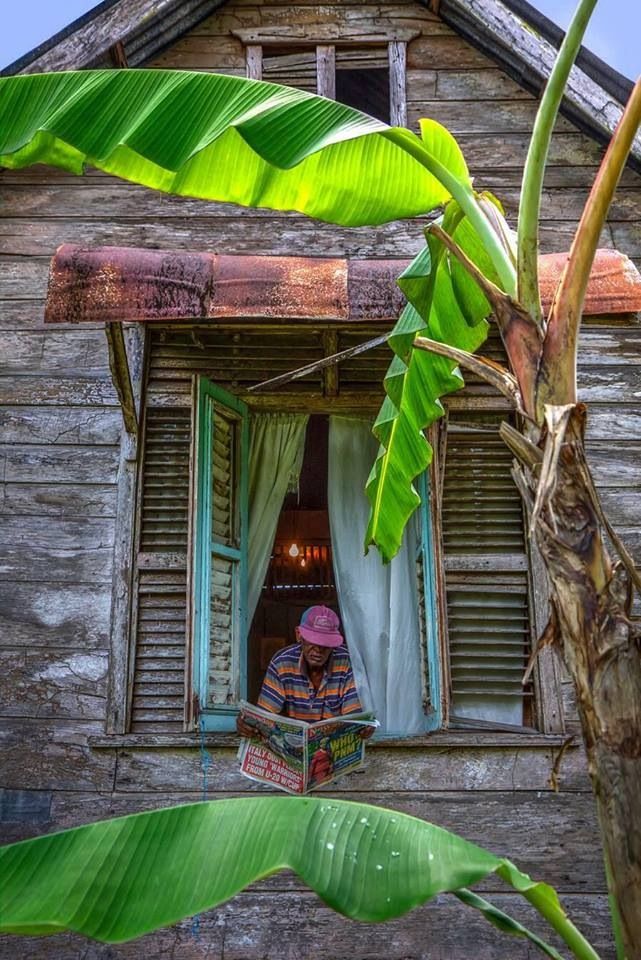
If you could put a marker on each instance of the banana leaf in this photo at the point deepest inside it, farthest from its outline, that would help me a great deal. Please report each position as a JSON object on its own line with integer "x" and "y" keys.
{"x": 227, "y": 138}
{"x": 445, "y": 304}
{"x": 263, "y": 145}
{"x": 118, "y": 879}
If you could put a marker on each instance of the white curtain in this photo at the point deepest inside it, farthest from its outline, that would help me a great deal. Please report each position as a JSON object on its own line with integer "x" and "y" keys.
{"x": 276, "y": 448}
{"x": 378, "y": 603}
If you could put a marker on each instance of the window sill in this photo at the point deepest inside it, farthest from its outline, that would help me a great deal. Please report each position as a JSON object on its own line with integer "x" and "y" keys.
{"x": 442, "y": 740}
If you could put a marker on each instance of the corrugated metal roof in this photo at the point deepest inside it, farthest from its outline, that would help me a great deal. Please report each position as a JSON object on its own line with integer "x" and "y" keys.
{"x": 128, "y": 284}
{"x": 115, "y": 284}
{"x": 614, "y": 287}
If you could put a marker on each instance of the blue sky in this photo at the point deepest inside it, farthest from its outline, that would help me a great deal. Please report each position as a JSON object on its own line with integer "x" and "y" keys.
{"x": 614, "y": 33}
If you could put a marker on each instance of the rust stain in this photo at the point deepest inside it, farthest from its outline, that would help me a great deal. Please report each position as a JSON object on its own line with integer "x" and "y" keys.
{"x": 116, "y": 284}
{"x": 372, "y": 289}
{"x": 280, "y": 287}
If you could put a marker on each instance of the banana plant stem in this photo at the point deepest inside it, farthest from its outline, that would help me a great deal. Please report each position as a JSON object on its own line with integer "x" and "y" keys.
{"x": 532, "y": 185}
{"x": 580, "y": 947}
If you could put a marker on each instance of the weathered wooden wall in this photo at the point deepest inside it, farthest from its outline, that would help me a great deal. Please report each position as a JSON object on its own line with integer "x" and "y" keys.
{"x": 495, "y": 796}
{"x": 60, "y": 446}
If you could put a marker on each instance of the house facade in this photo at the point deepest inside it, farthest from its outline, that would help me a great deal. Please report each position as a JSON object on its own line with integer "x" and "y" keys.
{"x": 138, "y": 602}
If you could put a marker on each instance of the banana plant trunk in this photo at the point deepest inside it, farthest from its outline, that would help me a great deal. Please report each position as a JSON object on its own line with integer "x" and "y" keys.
{"x": 591, "y": 600}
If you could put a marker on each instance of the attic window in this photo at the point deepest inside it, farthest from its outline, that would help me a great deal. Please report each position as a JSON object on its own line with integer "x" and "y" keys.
{"x": 369, "y": 76}
{"x": 363, "y": 81}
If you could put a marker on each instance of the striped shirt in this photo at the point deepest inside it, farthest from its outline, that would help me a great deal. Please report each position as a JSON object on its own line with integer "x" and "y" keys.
{"x": 287, "y": 688}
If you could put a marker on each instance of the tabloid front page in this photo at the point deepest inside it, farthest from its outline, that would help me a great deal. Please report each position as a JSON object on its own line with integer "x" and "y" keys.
{"x": 296, "y": 756}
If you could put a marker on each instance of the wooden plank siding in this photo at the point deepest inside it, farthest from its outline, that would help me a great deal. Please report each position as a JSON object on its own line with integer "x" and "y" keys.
{"x": 60, "y": 433}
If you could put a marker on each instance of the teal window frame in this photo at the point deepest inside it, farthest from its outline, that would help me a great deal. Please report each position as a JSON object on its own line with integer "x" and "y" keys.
{"x": 223, "y": 718}
{"x": 433, "y": 717}
{"x": 207, "y": 396}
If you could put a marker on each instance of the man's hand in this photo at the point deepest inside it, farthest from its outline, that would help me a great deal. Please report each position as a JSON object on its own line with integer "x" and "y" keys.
{"x": 244, "y": 729}
{"x": 366, "y": 732}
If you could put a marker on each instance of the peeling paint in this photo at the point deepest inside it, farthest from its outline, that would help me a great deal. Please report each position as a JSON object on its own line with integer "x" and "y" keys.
{"x": 83, "y": 666}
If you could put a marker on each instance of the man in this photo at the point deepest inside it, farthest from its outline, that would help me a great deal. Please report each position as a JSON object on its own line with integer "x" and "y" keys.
{"x": 312, "y": 679}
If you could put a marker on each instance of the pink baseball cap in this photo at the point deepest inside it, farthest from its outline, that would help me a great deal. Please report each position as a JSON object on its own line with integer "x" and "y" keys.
{"x": 320, "y": 625}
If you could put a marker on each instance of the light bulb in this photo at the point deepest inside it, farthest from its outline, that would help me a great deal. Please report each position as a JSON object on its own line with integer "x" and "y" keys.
{"x": 293, "y": 550}
{"x": 303, "y": 563}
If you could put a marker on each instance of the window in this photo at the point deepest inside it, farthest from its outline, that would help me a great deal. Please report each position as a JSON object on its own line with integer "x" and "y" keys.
{"x": 486, "y": 576}
{"x": 473, "y": 591}
{"x": 218, "y": 563}
{"x": 368, "y": 74}
{"x": 381, "y": 621}
{"x": 363, "y": 81}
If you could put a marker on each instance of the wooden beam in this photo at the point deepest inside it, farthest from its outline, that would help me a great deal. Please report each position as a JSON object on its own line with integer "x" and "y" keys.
{"x": 118, "y": 56}
{"x": 330, "y": 374}
{"x": 326, "y": 71}
{"x": 368, "y": 33}
{"x": 318, "y": 365}
{"x": 96, "y": 35}
{"x": 254, "y": 61}
{"x": 299, "y": 402}
{"x": 119, "y": 366}
{"x": 397, "y": 54}
{"x": 116, "y": 721}
{"x": 123, "y": 557}
{"x": 362, "y": 403}
{"x": 479, "y": 563}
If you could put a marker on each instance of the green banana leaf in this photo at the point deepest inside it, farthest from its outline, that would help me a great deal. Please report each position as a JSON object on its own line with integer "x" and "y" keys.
{"x": 445, "y": 304}
{"x": 118, "y": 879}
{"x": 263, "y": 145}
{"x": 227, "y": 138}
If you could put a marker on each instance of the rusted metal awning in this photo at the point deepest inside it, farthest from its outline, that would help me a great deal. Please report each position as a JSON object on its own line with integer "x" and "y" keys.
{"x": 614, "y": 286}
{"x": 121, "y": 284}
{"x": 115, "y": 285}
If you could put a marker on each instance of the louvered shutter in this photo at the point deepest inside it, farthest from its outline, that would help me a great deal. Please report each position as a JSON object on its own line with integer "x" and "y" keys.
{"x": 486, "y": 574}
{"x": 218, "y": 572}
{"x": 158, "y": 690}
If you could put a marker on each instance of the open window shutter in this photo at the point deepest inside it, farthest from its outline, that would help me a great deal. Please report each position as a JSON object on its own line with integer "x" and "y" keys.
{"x": 158, "y": 681}
{"x": 486, "y": 574}
{"x": 218, "y": 561}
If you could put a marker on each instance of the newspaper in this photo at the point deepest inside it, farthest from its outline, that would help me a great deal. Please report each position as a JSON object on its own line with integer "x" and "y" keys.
{"x": 296, "y": 756}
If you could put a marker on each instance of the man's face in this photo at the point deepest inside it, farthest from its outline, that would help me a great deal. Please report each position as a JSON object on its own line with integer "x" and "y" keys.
{"x": 314, "y": 655}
